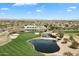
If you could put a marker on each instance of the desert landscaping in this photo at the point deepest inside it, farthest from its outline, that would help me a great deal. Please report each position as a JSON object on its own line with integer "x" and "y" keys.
{"x": 65, "y": 49}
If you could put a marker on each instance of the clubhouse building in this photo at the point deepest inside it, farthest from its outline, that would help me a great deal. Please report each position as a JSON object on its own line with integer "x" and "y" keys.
{"x": 33, "y": 28}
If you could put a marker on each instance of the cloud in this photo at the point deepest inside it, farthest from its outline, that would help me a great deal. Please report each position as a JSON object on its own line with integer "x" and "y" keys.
{"x": 4, "y": 8}
{"x": 22, "y": 4}
{"x": 72, "y": 8}
{"x": 38, "y": 10}
{"x": 68, "y": 10}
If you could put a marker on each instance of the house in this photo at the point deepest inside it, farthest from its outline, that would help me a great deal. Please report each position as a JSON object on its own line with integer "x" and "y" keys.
{"x": 34, "y": 28}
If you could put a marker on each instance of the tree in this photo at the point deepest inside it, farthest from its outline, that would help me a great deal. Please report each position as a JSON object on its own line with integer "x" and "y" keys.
{"x": 66, "y": 25}
{"x": 50, "y": 27}
{"x": 46, "y": 25}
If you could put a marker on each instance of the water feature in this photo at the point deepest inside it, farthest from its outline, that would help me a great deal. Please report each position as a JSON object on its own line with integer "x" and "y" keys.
{"x": 45, "y": 46}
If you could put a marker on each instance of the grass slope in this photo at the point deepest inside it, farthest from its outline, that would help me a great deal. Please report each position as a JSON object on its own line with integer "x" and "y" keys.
{"x": 19, "y": 46}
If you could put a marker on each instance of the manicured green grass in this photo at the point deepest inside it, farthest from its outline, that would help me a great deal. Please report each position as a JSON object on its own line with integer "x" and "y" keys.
{"x": 71, "y": 31}
{"x": 20, "y": 46}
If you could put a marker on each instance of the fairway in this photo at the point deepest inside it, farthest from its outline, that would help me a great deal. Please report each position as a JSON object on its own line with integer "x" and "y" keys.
{"x": 71, "y": 31}
{"x": 19, "y": 46}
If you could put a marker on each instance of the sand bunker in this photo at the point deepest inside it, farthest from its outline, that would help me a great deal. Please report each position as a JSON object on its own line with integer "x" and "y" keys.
{"x": 4, "y": 38}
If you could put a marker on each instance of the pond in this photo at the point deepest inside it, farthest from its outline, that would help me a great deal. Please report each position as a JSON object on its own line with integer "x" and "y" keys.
{"x": 45, "y": 46}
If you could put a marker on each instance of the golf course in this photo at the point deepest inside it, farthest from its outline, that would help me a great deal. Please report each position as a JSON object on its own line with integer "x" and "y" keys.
{"x": 20, "y": 46}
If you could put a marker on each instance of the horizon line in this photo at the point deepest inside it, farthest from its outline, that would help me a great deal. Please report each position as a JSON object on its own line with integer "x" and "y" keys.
{"x": 40, "y": 19}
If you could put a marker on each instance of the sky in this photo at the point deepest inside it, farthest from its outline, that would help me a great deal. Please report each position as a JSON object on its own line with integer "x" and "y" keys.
{"x": 39, "y": 11}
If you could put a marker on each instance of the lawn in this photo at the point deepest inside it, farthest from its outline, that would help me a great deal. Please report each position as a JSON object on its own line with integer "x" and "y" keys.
{"x": 71, "y": 31}
{"x": 19, "y": 46}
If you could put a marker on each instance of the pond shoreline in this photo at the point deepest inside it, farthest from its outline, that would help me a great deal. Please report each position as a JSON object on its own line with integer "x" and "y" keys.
{"x": 38, "y": 38}
{"x": 28, "y": 41}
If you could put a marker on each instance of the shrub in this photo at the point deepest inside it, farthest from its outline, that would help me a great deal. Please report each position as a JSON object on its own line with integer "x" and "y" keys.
{"x": 65, "y": 40}
{"x": 74, "y": 44}
{"x": 60, "y": 34}
{"x": 53, "y": 36}
{"x": 67, "y": 54}
{"x": 71, "y": 38}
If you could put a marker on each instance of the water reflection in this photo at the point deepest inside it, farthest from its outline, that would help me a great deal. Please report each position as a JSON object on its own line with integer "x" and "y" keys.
{"x": 45, "y": 46}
